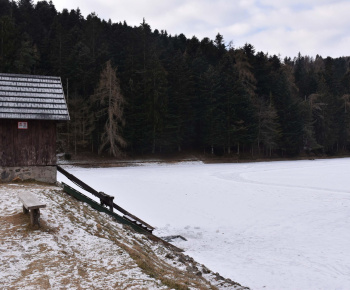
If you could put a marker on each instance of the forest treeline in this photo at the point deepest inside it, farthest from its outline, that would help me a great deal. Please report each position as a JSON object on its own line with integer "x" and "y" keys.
{"x": 138, "y": 90}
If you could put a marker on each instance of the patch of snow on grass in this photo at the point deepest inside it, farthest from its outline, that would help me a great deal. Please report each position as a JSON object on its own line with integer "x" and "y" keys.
{"x": 64, "y": 253}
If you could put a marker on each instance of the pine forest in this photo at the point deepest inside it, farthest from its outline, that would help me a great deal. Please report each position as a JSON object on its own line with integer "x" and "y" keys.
{"x": 139, "y": 90}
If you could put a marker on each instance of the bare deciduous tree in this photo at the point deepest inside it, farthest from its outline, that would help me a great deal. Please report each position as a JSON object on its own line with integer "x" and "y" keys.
{"x": 111, "y": 101}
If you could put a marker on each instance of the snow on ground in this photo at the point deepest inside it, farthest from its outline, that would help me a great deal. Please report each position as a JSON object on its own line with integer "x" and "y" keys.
{"x": 61, "y": 254}
{"x": 77, "y": 247}
{"x": 269, "y": 225}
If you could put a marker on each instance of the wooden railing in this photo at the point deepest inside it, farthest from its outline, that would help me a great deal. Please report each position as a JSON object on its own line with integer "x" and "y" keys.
{"x": 106, "y": 200}
{"x": 122, "y": 219}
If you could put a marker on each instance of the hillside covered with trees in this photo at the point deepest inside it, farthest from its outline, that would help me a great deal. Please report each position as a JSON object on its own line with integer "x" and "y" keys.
{"x": 140, "y": 90}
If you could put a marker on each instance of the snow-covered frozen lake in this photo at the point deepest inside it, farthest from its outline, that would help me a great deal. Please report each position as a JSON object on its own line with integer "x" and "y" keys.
{"x": 269, "y": 225}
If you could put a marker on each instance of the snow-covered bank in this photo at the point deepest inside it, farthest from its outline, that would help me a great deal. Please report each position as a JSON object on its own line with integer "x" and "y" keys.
{"x": 269, "y": 225}
{"x": 77, "y": 247}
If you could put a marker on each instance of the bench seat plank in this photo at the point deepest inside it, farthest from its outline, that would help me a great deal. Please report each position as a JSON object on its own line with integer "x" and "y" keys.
{"x": 30, "y": 201}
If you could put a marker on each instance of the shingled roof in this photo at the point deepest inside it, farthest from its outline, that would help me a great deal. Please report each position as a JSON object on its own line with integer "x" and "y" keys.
{"x": 32, "y": 97}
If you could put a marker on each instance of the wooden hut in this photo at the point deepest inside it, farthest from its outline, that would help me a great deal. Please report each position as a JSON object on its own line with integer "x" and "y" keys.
{"x": 30, "y": 107}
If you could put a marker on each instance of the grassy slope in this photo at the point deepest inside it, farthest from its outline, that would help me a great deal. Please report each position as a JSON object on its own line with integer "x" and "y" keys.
{"x": 77, "y": 247}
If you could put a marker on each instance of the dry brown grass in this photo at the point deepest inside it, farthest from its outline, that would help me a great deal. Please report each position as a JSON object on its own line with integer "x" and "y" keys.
{"x": 58, "y": 251}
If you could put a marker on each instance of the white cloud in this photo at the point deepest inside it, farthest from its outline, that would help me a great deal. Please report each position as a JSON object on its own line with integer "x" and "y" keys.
{"x": 274, "y": 26}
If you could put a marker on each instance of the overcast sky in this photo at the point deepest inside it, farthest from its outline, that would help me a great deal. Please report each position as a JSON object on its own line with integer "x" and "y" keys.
{"x": 283, "y": 27}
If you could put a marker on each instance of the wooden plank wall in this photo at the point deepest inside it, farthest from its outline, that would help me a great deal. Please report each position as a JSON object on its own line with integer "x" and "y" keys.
{"x": 34, "y": 146}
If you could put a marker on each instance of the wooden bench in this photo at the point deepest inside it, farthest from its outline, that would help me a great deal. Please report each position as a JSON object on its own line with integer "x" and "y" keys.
{"x": 32, "y": 205}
